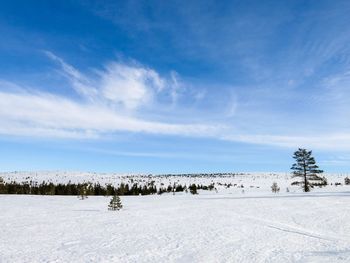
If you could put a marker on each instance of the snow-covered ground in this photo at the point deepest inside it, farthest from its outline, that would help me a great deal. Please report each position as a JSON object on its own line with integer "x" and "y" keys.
{"x": 228, "y": 226}
{"x": 313, "y": 227}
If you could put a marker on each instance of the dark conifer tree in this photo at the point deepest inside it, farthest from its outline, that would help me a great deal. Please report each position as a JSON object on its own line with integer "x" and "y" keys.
{"x": 306, "y": 169}
{"x": 2, "y": 186}
{"x": 347, "y": 181}
{"x": 193, "y": 189}
{"x": 115, "y": 203}
{"x": 83, "y": 192}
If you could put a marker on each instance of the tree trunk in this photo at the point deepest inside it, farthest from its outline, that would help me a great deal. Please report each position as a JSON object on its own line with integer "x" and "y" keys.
{"x": 306, "y": 188}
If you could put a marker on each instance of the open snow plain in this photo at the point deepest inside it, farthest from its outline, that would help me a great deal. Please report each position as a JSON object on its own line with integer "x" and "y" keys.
{"x": 228, "y": 226}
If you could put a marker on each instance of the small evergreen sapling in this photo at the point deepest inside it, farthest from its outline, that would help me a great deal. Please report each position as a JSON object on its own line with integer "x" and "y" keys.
{"x": 347, "y": 181}
{"x": 275, "y": 188}
{"x": 115, "y": 203}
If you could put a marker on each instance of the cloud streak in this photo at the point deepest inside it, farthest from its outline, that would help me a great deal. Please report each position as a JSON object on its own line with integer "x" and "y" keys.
{"x": 117, "y": 98}
{"x": 49, "y": 115}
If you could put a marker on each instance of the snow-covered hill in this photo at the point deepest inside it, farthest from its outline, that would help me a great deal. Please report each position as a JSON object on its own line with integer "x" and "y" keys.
{"x": 223, "y": 182}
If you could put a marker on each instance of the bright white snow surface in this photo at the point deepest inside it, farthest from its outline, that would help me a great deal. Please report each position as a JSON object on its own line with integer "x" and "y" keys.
{"x": 236, "y": 227}
{"x": 241, "y": 223}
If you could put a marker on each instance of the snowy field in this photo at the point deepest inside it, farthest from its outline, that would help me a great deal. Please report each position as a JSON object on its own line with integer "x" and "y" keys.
{"x": 242, "y": 222}
{"x": 261, "y": 227}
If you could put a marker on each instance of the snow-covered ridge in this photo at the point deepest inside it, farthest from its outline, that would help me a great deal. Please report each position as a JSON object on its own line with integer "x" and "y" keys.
{"x": 224, "y": 182}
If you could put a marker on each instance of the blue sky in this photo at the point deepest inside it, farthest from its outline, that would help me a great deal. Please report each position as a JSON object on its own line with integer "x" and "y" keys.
{"x": 173, "y": 86}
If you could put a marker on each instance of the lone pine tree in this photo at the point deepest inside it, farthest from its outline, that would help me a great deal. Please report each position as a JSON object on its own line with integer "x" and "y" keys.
{"x": 115, "y": 203}
{"x": 306, "y": 169}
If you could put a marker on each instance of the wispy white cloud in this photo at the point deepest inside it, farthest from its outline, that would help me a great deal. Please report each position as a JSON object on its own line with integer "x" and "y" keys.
{"x": 118, "y": 87}
{"x": 175, "y": 87}
{"x": 80, "y": 83}
{"x": 113, "y": 101}
{"x": 131, "y": 86}
{"x": 46, "y": 114}
{"x": 332, "y": 141}
{"x": 337, "y": 87}
{"x": 126, "y": 85}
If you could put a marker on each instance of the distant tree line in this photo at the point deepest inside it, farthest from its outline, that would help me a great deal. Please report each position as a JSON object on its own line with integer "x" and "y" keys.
{"x": 49, "y": 188}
